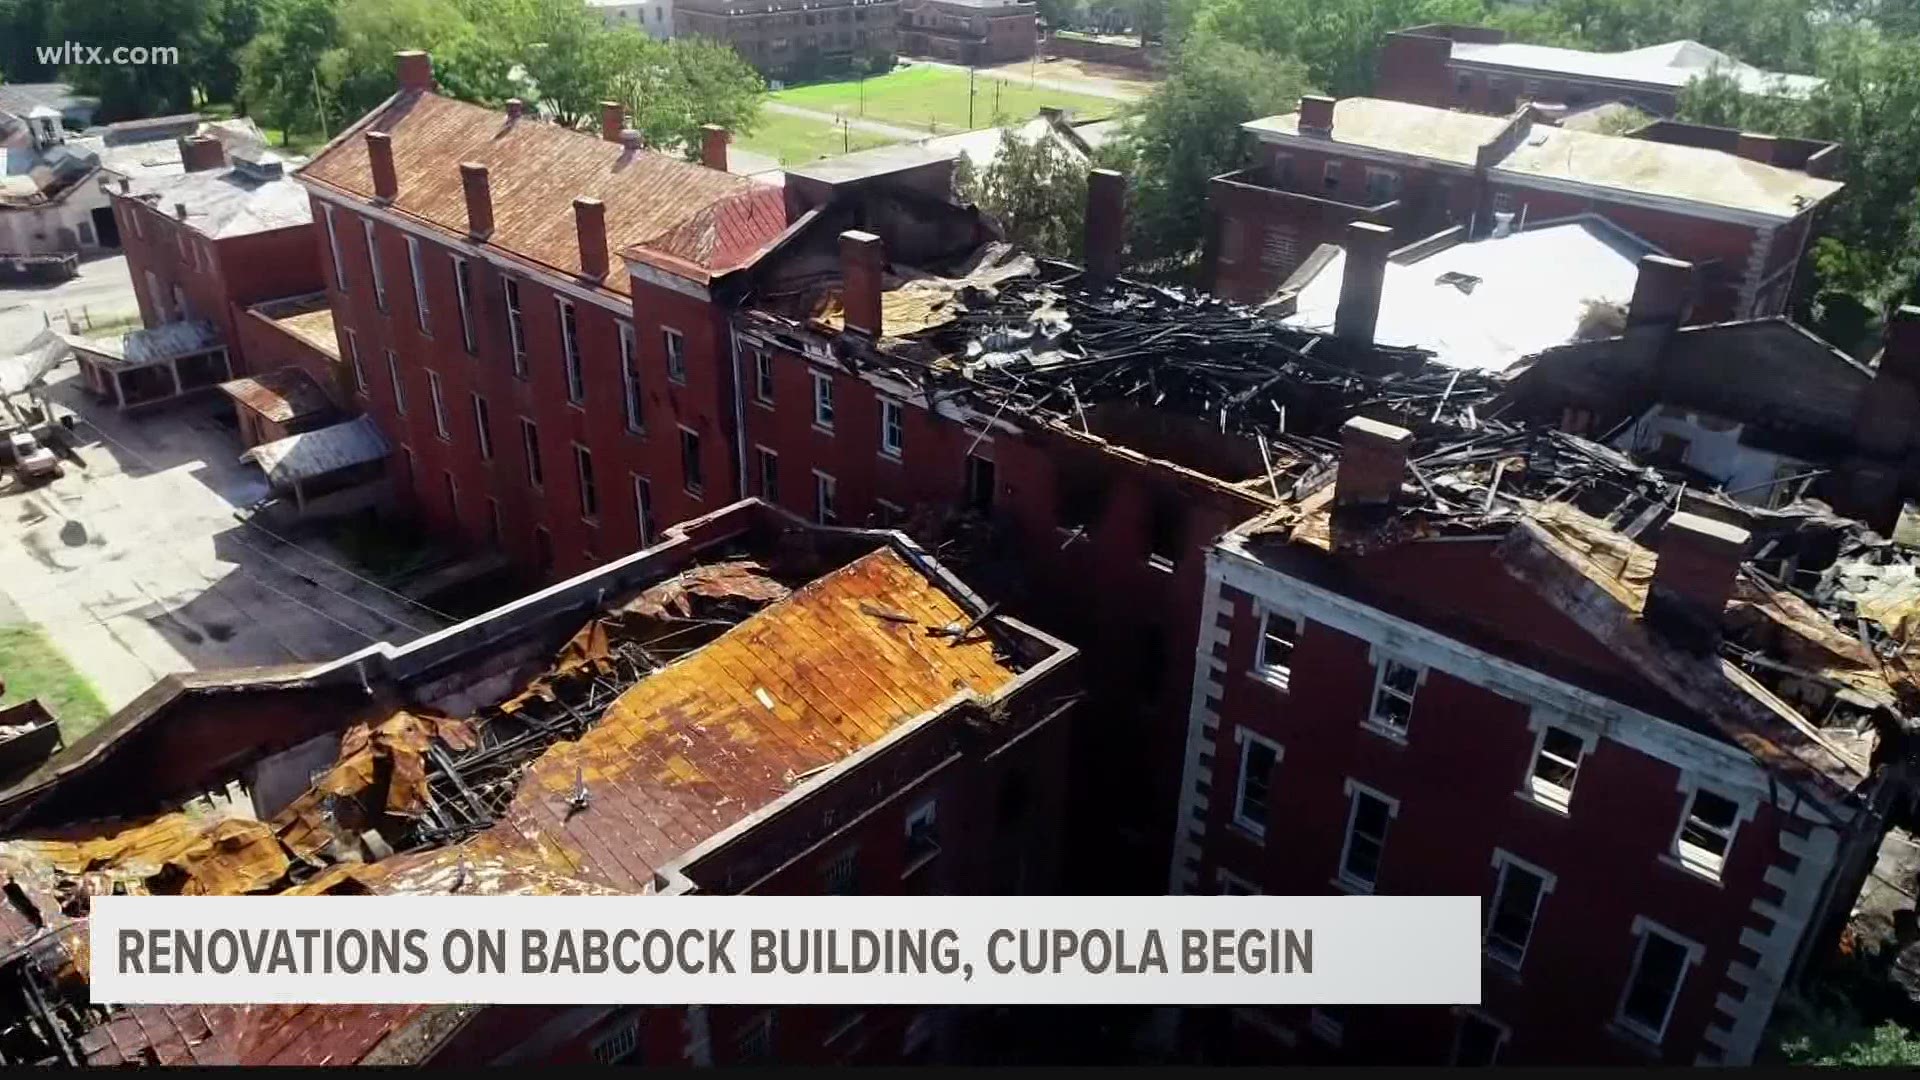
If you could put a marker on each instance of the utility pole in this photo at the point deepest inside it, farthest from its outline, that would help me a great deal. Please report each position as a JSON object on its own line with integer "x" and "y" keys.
{"x": 971, "y": 72}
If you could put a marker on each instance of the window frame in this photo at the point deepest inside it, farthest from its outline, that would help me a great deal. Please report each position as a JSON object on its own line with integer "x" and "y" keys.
{"x": 437, "y": 395}
{"x": 378, "y": 273}
{"x": 823, "y": 408}
{"x": 333, "y": 247}
{"x": 763, "y": 388}
{"x": 360, "y": 383}
{"x": 630, "y": 380}
{"x": 572, "y": 362}
{"x": 767, "y": 467}
{"x": 482, "y": 426}
{"x": 1709, "y": 868}
{"x": 463, "y": 298}
{"x": 826, "y": 498}
{"x": 1278, "y": 676}
{"x": 1247, "y": 740}
{"x": 586, "y": 489}
{"x": 516, "y": 325}
{"x": 1383, "y": 662}
{"x": 643, "y": 508}
{"x": 1643, "y": 930}
{"x": 674, "y": 343}
{"x": 1505, "y": 862}
{"x": 693, "y": 476}
{"x": 416, "y": 266}
{"x": 893, "y": 429}
{"x": 1546, "y": 793}
{"x": 1343, "y": 878}
{"x": 397, "y": 384}
{"x": 1475, "y": 1016}
{"x": 532, "y": 467}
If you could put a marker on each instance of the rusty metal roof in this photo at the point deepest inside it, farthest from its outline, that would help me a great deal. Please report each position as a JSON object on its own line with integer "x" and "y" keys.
{"x": 308, "y": 318}
{"x": 730, "y": 728}
{"x": 693, "y": 218}
{"x": 280, "y": 395}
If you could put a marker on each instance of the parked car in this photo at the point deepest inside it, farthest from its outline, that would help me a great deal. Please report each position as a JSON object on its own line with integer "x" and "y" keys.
{"x": 31, "y": 460}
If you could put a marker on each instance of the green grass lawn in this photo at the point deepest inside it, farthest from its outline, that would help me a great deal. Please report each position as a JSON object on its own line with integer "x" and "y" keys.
{"x": 934, "y": 100}
{"x": 795, "y": 140}
{"x": 33, "y": 668}
{"x": 301, "y": 143}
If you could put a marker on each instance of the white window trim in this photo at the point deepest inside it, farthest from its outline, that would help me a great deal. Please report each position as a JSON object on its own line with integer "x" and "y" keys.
{"x": 399, "y": 387}
{"x": 422, "y": 311}
{"x": 892, "y": 451}
{"x": 534, "y": 468}
{"x": 333, "y": 248}
{"x": 483, "y": 427}
{"x": 1462, "y": 1011}
{"x": 1553, "y": 798}
{"x": 582, "y": 464}
{"x": 630, "y": 380}
{"x": 699, "y": 491}
{"x": 763, "y": 360}
{"x": 1280, "y": 678}
{"x": 373, "y": 264}
{"x": 353, "y": 356}
{"x": 439, "y": 399}
{"x": 572, "y": 362}
{"x": 462, "y": 276}
{"x": 1381, "y": 658}
{"x": 1224, "y": 878}
{"x": 761, "y": 455}
{"x": 642, "y": 508}
{"x": 1502, "y": 859}
{"x": 1353, "y": 789}
{"x": 825, "y": 483}
{"x": 1641, "y": 927}
{"x": 1745, "y": 805}
{"x": 676, "y": 370}
{"x": 896, "y": 514}
{"x": 1244, "y": 738}
{"x": 823, "y": 381}
{"x": 516, "y": 326}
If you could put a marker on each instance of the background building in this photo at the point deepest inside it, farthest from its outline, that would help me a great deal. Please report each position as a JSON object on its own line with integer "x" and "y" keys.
{"x": 796, "y": 39}
{"x": 969, "y": 31}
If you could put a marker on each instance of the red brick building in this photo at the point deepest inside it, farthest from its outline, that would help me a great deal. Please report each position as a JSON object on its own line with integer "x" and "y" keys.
{"x": 207, "y": 245}
{"x": 557, "y": 380}
{"x": 969, "y": 31}
{"x": 929, "y": 770}
{"x": 1743, "y": 220}
{"x": 1476, "y": 68}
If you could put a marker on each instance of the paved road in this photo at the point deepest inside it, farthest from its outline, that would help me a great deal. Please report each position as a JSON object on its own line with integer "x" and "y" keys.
{"x": 135, "y": 566}
{"x": 102, "y": 292}
{"x": 872, "y": 127}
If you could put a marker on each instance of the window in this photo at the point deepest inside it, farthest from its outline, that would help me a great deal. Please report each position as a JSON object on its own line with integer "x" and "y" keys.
{"x": 1275, "y": 660}
{"x": 1383, "y": 185}
{"x": 181, "y": 309}
{"x": 570, "y": 352}
{"x": 1166, "y": 524}
{"x": 353, "y": 355}
{"x": 373, "y": 263}
{"x": 980, "y": 484}
{"x": 692, "y": 476}
{"x": 889, "y": 515}
{"x": 643, "y": 508}
{"x": 923, "y": 842}
{"x": 1330, "y": 176}
{"x": 399, "y": 387}
{"x": 1367, "y": 820}
{"x": 134, "y": 217}
{"x": 1502, "y": 202}
{"x": 542, "y": 549}
{"x": 754, "y": 1042}
{"x": 1531, "y": 88}
{"x": 618, "y": 1045}
{"x": 893, "y": 435}
{"x": 482, "y": 428}
{"x": 333, "y": 248}
{"x": 1556, "y": 765}
{"x": 1258, "y": 757}
{"x": 453, "y": 494}
{"x": 421, "y": 314}
{"x": 530, "y": 449}
{"x": 1463, "y": 84}
{"x": 463, "y": 292}
{"x": 516, "y": 330}
{"x": 824, "y": 495}
{"x": 1706, "y": 833}
{"x": 407, "y": 476}
{"x": 583, "y": 476}
{"x": 1518, "y": 889}
{"x": 1478, "y": 1040}
{"x": 630, "y": 381}
{"x": 494, "y": 532}
{"x": 842, "y": 875}
{"x": 769, "y": 474}
{"x": 1394, "y": 685}
{"x": 1659, "y": 967}
{"x": 439, "y": 404}
{"x": 676, "y": 346}
{"x": 823, "y": 401}
{"x": 763, "y": 376}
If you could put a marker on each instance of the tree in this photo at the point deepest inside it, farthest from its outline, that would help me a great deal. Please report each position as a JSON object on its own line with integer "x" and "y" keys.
{"x": 1188, "y": 131}
{"x": 25, "y": 25}
{"x": 1338, "y": 43}
{"x": 231, "y": 24}
{"x": 358, "y": 70}
{"x": 130, "y": 90}
{"x": 676, "y": 87}
{"x": 279, "y": 68}
{"x": 1036, "y": 189}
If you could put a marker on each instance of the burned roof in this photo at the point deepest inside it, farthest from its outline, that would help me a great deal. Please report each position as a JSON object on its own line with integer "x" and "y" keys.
{"x": 675, "y": 711}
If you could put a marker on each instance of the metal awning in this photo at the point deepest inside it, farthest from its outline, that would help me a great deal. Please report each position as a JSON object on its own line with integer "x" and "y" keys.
{"x": 315, "y": 453}
{"x": 144, "y": 348}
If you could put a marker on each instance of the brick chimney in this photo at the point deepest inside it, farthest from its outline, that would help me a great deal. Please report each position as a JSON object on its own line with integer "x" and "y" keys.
{"x": 1373, "y": 462}
{"x": 1106, "y": 225}
{"x": 413, "y": 70}
{"x": 1316, "y": 115}
{"x": 713, "y": 146}
{"x": 1662, "y": 299}
{"x": 201, "y": 152}
{"x": 613, "y": 120}
{"x": 1760, "y": 148}
{"x": 515, "y": 107}
{"x": 590, "y": 220}
{"x": 1368, "y": 246}
{"x": 1886, "y": 425}
{"x": 1693, "y": 578}
{"x": 473, "y": 180}
{"x": 386, "y": 184}
{"x": 861, "y": 258}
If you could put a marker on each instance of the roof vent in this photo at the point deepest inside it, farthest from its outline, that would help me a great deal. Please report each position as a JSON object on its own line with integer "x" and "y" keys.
{"x": 1538, "y": 138}
{"x": 256, "y": 162}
